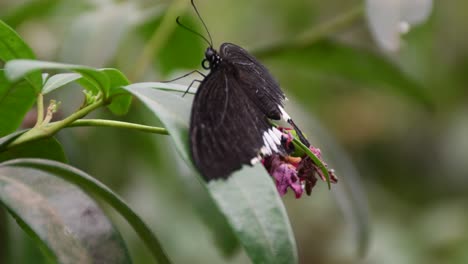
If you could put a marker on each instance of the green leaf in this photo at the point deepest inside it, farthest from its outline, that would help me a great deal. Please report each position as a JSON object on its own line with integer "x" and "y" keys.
{"x": 59, "y": 80}
{"x": 337, "y": 60}
{"x": 172, "y": 109}
{"x": 13, "y": 47}
{"x": 48, "y": 148}
{"x": 17, "y": 69}
{"x": 164, "y": 86}
{"x": 67, "y": 224}
{"x": 248, "y": 199}
{"x": 6, "y": 140}
{"x": 15, "y": 101}
{"x": 121, "y": 99}
{"x": 99, "y": 190}
{"x": 253, "y": 207}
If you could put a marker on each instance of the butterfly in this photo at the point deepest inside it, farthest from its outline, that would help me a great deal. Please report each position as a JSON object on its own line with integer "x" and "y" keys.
{"x": 231, "y": 112}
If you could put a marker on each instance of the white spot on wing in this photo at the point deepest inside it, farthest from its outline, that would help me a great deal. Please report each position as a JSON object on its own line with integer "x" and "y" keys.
{"x": 277, "y": 132}
{"x": 273, "y": 145}
{"x": 285, "y": 115}
{"x": 265, "y": 151}
{"x": 255, "y": 160}
{"x": 274, "y": 137}
{"x": 267, "y": 138}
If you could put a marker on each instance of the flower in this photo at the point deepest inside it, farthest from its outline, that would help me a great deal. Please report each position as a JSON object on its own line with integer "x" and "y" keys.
{"x": 308, "y": 171}
{"x": 389, "y": 19}
{"x": 284, "y": 173}
{"x": 297, "y": 173}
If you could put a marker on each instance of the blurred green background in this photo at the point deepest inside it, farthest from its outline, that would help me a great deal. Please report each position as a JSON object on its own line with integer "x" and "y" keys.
{"x": 398, "y": 118}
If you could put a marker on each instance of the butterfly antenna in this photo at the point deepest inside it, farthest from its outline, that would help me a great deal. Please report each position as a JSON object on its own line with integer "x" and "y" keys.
{"x": 193, "y": 31}
{"x": 203, "y": 22}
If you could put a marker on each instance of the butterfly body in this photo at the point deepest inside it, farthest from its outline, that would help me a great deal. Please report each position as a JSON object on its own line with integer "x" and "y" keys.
{"x": 229, "y": 124}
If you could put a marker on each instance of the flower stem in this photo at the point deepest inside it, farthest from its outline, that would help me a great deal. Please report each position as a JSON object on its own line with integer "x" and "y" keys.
{"x": 118, "y": 124}
{"x": 158, "y": 39}
{"x": 315, "y": 34}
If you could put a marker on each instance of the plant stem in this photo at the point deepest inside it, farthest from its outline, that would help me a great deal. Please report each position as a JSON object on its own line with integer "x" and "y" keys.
{"x": 158, "y": 39}
{"x": 40, "y": 109}
{"x": 313, "y": 35}
{"x": 118, "y": 124}
{"x": 46, "y": 131}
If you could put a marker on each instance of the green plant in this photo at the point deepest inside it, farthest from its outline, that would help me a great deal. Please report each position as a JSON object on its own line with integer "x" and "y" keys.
{"x": 263, "y": 220}
{"x": 38, "y": 188}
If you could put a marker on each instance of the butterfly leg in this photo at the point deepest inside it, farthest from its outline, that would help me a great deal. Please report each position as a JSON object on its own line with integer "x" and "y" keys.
{"x": 190, "y": 86}
{"x": 185, "y": 75}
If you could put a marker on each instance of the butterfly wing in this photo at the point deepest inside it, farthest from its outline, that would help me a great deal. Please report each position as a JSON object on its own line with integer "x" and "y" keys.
{"x": 227, "y": 128}
{"x": 257, "y": 82}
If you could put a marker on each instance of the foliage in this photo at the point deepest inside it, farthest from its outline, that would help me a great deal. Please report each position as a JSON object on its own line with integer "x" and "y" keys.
{"x": 70, "y": 216}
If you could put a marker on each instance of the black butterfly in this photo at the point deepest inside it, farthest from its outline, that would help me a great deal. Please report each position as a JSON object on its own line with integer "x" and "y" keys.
{"x": 229, "y": 123}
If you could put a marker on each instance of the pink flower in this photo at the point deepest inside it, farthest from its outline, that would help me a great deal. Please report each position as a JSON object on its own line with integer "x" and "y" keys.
{"x": 297, "y": 173}
{"x": 285, "y": 175}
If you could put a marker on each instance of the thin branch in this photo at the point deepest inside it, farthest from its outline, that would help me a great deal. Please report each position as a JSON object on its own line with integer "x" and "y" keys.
{"x": 158, "y": 39}
{"x": 46, "y": 131}
{"x": 118, "y": 124}
{"x": 315, "y": 34}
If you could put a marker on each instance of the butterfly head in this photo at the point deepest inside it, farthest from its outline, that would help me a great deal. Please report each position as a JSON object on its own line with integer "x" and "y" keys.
{"x": 212, "y": 59}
